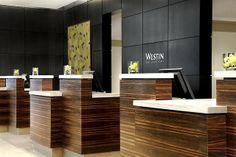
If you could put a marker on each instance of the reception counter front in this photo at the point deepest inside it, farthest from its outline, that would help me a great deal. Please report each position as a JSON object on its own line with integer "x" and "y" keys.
{"x": 18, "y": 105}
{"x": 41, "y": 82}
{"x": 91, "y": 120}
{"x": 4, "y": 109}
{"x": 180, "y": 128}
{"x": 226, "y": 96}
{"x": 139, "y": 87}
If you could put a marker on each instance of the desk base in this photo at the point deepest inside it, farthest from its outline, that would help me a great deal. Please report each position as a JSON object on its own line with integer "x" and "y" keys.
{"x": 19, "y": 131}
{"x": 68, "y": 153}
{"x": 3, "y": 128}
{"x": 49, "y": 152}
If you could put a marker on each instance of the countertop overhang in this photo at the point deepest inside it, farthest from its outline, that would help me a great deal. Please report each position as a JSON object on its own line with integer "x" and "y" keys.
{"x": 11, "y": 77}
{"x": 86, "y": 76}
{"x": 224, "y": 74}
{"x": 41, "y": 76}
{"x": 3, "y": 88}
{"x": 201, "y": 106}
{"x": 105, "y": 95}
{"x": 46, "y": 93}
{"x": 147, "y": 76}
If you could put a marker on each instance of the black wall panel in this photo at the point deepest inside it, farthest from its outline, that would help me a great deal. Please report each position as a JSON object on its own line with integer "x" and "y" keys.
{"x": 155, "y": 25}
{"x": 131, "y": 7}
{"x": 15, "y": 62}
{"x": 131, "y": 54}
{"x": 152, "y": 57}
{"x": 11, "y": 18}
{"x": 56, "y": 21}
{"x": 111, "y": 5}
{"x": 4, "y": 69}
{"x": 40, "y": 61}
{"x": 153, "y": 4}
{"x": 132, "y": 30}
{"x": 185, "y": 54}
{"x": 11, "y": 42}
{"x": 69, "y": 18}
{"x": 97, "y": 61}
{"x": 81, "y": 13}
{"x": 175, "y": 1}
{"x": 184, "y": 20}
{"x": 95, "y": 11}
{"x": 96, "y": 37}
{"x": 36, "y": 43}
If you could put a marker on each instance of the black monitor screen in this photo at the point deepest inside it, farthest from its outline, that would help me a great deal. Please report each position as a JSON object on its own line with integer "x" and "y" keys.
{"x": 180, "y": 87}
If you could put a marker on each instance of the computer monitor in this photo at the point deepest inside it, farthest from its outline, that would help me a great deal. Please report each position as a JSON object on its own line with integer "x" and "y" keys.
{"x": 181, "y": 87}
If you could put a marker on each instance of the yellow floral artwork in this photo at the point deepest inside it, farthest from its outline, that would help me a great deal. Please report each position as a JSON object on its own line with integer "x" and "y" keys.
{"x": 79, "y": 47}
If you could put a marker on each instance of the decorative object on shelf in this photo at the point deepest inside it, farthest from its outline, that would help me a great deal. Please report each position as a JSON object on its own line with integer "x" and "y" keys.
{"x": 133, "y": 67}
{"x": 35, "y": 71}
{"x": 16, "y": 72}
{"x": 229, "y": 61}
{"x": 67, "y": 70}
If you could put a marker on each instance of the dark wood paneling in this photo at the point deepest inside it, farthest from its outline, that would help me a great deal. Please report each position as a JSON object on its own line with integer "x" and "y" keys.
{"x": 46, "y": 120}
{"x": 101, "y": 125}
{"x": 41, "y": 84}
{"x": 90, "y": 125}
{"x": 137, "y": 90}
{"x": 19, "y": 104}
{"x": 4, "y": 107}
{"x": 73, "y": 95}
{"x": 168, "y": 133}
{"x": 2, "y": 82}
{"x": 226, "y": 96}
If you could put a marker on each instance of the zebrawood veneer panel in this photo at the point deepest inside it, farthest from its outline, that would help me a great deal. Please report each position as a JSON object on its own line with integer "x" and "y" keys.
{"x": 46, "y": 121}
{"x": 19, "y": 104}
{"x": 41, "y": 84}
{"x": 226, "y": 95}
{"x": 4, "y": 107}
{"x": 90, "y": 125}
{"x": 137, "y": 90}
{"x": 2, "y": 83}
{"x": 166, "y": 133}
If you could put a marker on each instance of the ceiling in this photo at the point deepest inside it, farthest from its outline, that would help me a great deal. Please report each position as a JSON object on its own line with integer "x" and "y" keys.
{"x": 224, "y": 10}
{"x": 53, "y": 4}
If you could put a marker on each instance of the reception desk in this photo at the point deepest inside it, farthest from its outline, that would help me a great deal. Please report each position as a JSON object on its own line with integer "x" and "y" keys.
{"x": 41, "y": 82}
{"x": 91, "y": 120}
{"x": 4, "y": 109}
{"x": 180, "y": 128}
{"x": 46, "y": 121}
{"x": 18, "y": 105}
{"x": 139, "y": 87}
{"x": 226, "y": 96}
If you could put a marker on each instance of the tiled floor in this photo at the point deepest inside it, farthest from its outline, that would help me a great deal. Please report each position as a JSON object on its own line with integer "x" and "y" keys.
{"x": 17, "y": 146}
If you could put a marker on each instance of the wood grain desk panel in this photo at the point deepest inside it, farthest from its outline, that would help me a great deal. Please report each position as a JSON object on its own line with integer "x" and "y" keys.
{"x": 137, "y": 90}
{"x": 226, "y": 95}
{"x": 41, "y": 84}
{"x": 2, "y": 82}
{"x": 19, "y": 103}
{"x": 46, "y": 120}
{"x": 178, "y": 134}
{"x": 4, "y": 108}
{"x": 90, "y": 125}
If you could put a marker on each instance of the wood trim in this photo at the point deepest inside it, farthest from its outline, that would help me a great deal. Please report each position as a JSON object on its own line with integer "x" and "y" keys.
{"x": 2, "y": 82}
{"x": 224, "y": 26}
{"x": 4, "y": 108}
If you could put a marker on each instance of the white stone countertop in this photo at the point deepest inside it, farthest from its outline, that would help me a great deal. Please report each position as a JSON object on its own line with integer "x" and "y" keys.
{"x": 220, "y": 75}
{"x": 41, "y": 76}
{"x": 105, "y": 95}
{"x": 46, "y": 93}
{"x": 27, "y": 89}
{"x": 147, "y": 76}
{"x": 201, "y": 106}
{"x": 3, "y": 88}
{"x": 11, "y": 77}
{"x": 86, "y": 76}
